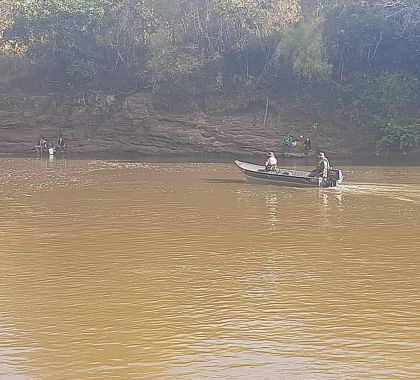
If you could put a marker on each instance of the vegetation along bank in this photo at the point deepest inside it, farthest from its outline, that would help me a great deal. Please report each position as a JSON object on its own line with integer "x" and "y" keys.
{"x": 214, "y": 76}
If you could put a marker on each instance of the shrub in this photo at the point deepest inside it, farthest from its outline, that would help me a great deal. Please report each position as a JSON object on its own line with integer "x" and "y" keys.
{"x": 401, "y": 138}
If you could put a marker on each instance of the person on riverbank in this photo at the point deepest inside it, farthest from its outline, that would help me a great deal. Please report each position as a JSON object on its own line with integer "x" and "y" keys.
{"x": 60, "y": 139}
{"x": 287, "y": 142}
{"x": 307, "y": 145}
{"x": 61, "y": 142}
{"x": 42, "y": 145}
{"x": 271, "y": 163}
{"x": 51, "y": 150}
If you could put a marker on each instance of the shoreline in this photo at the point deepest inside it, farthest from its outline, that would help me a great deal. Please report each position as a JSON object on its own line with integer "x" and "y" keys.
{"x": 344, "y": 159}
{"x": 138, "y": 128}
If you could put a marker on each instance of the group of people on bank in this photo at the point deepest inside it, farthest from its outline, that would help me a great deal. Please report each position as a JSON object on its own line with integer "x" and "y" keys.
{"x": 321, "y": 169}
{"x": 289, "y": 143}
{"x": 51, "y": 148}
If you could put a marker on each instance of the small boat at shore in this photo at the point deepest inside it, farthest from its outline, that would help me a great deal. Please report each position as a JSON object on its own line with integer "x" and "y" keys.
{"x": 288, "y": 177}
{"x": 297, "y": 155}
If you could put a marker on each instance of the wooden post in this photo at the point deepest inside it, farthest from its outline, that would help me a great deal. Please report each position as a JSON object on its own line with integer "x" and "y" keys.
{"x": 266, "y": 111}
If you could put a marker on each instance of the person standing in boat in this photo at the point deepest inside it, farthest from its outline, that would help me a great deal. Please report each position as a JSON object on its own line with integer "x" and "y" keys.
{"x": 271, "y": 163}
{"x": 323, "y": 166}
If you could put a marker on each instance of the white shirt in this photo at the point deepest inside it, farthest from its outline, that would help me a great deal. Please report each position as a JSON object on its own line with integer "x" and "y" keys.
{"x": 51, "y": 150}
{"x": 271, "y": 161}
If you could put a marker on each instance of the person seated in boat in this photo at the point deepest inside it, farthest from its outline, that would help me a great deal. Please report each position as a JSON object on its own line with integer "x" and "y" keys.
{"x": 322, "y": 168}
{"x": 271, "y": 163}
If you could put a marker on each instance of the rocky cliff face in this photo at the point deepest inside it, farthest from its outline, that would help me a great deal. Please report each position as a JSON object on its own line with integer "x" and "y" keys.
{"x": 96, "y": 122}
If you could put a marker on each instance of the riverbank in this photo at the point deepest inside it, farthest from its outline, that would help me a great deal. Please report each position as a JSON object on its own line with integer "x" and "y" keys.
{"x": 103, "y": 124}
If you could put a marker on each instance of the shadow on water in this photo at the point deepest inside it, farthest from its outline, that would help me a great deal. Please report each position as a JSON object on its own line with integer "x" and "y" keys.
{"x": 225, "y": 181}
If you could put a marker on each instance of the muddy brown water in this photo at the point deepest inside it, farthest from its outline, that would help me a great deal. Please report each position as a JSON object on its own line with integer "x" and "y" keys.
{"x": 130, "y": 270}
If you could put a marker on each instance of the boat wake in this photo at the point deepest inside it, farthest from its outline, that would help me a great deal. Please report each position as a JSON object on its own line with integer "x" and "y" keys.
{"x": 402, "y": 192}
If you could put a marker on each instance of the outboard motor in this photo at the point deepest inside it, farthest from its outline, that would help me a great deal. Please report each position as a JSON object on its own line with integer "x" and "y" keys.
{"x": 335, "y": 177}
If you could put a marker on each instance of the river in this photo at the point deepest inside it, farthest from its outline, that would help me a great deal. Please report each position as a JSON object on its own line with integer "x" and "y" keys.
{"x": 136, "y": 270}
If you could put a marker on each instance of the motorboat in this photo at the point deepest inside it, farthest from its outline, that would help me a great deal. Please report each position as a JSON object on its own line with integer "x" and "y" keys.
{"x": 289, "y": 177}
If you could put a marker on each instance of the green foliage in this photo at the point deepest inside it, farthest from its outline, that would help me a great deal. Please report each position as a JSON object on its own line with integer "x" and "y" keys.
{"x": 82, "y": 41}
{"x": 173, "y": 66}
{"x": 45, "y": 8}
{"x": 372, "y": 36}
{"x": 302, "y": 48}
{"x": 383, "y": 103}
{"x": 196, "y": 40}
{"x": 372, "y": 98}
{"x": 6, "y": 8}
{"x": 401, "y": 138}
{"x": 13, "y": 67}
{"x": 359, "y": 58}
{"x": 60, "y": 34}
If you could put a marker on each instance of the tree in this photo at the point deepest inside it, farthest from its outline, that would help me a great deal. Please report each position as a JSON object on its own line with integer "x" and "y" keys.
{"x": 303, "y": 49}
{"x": 60, "y": 34}
{"x": 368, "y": 36}
{"x": 198, "y": 39}
{"x": 403, "y": 17}
{"x": 125, "y": 35}
{"x": 6, "y": 10}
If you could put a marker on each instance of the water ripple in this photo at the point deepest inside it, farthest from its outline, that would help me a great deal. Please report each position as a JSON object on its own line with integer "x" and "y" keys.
{"x": 184, "y": 271}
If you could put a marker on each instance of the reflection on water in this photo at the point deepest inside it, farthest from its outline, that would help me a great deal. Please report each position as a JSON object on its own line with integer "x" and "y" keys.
{"x": 271, "y": 205}
{"x": 185, "y": 271}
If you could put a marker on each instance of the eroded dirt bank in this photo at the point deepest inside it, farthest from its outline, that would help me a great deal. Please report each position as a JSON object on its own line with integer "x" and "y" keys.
{"x": 100, "y": 123}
